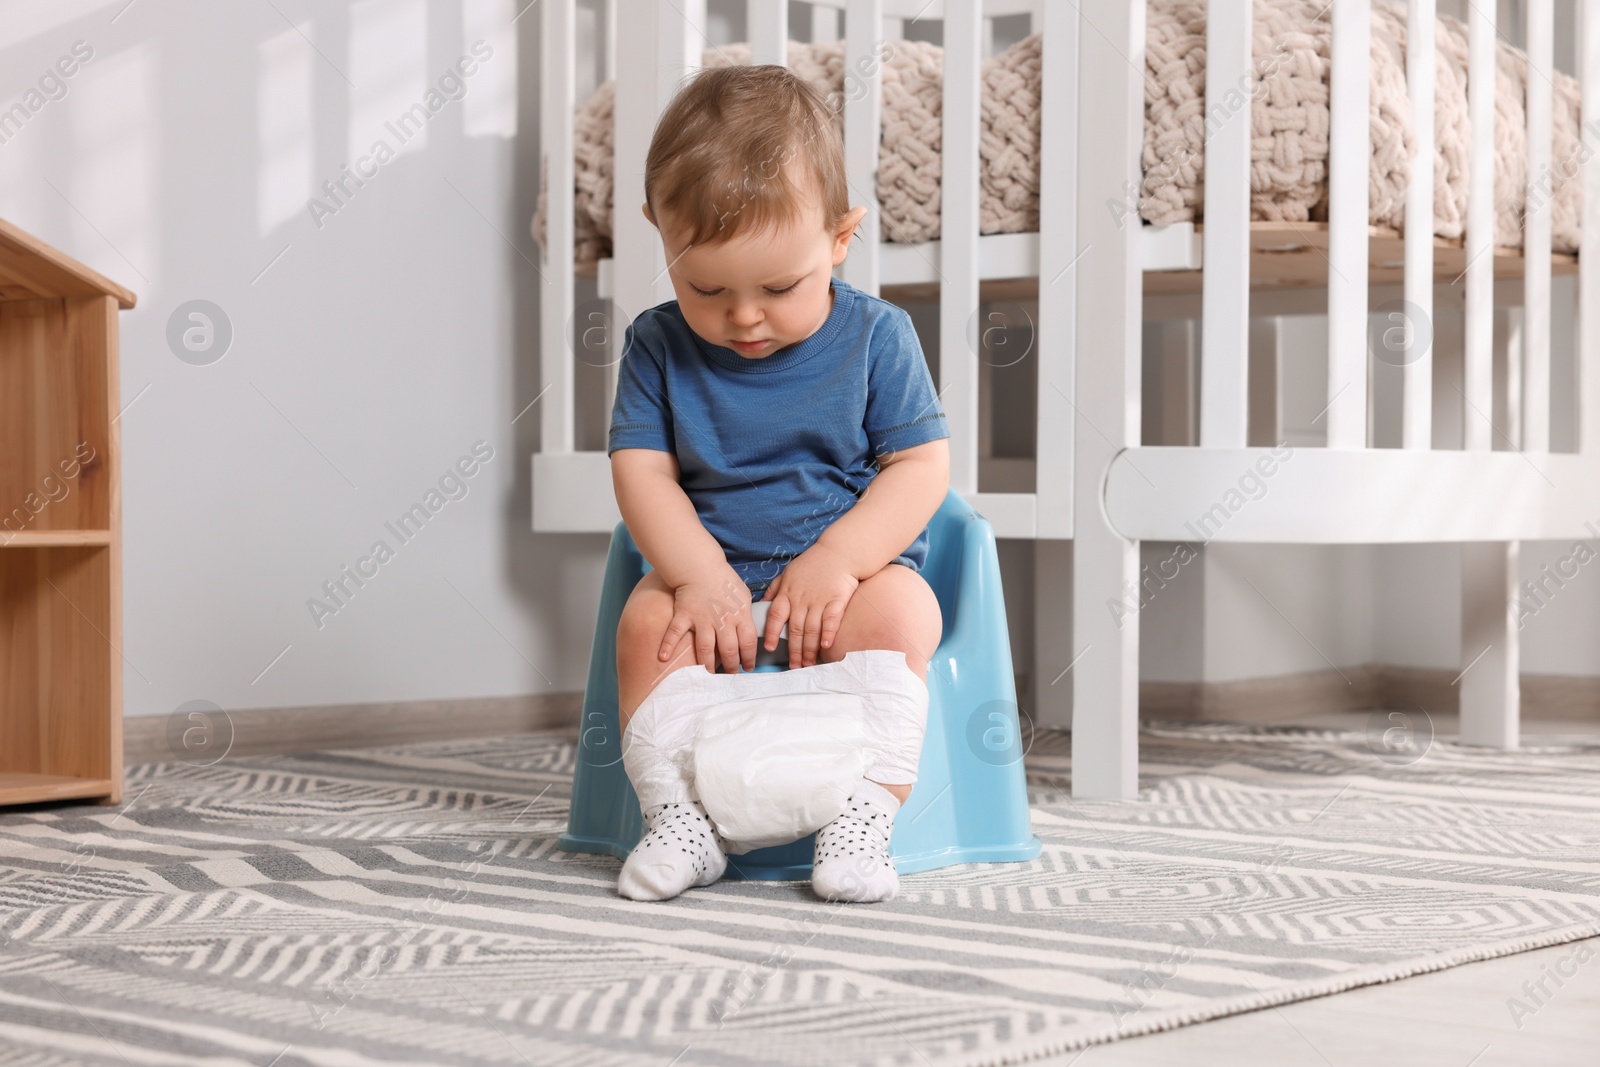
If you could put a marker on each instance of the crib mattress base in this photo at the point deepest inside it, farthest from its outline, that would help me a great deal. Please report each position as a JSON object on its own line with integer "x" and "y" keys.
{"x": 1294, "y": 255}
{"x": 1284, "y": 256}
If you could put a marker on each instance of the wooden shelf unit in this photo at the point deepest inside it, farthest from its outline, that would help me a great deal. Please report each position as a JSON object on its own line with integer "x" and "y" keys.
{"x": 60, "y": 527}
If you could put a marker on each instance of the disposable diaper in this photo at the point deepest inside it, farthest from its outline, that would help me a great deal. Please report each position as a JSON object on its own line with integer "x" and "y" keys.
{"x": 773, "y": 755}
{"x": 772, "y": 769}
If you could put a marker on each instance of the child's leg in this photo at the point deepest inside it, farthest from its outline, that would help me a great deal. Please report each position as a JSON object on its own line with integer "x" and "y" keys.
{"x": 645, "y": 618}
{"x": 895, "y": 609}
{"x": 680, "y": 848}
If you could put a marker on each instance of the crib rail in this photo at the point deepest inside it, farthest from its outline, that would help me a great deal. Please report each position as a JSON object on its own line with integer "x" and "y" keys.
{"x": 1366, "y": 494}
{"x": 1095, "y": 481}
{"x": 1502, "y": 486}
{"x": 660, "y": 43}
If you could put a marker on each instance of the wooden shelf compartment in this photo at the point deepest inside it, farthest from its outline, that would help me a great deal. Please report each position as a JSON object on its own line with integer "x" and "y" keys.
{"x": 59, "y": 671}
{"x": 55, "y": 415}
{"x": 60, "y": 527}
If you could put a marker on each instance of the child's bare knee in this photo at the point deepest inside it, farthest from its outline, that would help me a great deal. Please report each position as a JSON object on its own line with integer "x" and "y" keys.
{"x": 645, "y": 615}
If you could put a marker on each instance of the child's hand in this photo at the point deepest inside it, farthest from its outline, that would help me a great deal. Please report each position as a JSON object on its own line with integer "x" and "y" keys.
{"x": 715, "y": 609}
{"x": 810, "y": 594}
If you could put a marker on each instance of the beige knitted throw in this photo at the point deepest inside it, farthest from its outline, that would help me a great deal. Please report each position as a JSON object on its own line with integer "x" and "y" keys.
{"x": 1289, "y": 119}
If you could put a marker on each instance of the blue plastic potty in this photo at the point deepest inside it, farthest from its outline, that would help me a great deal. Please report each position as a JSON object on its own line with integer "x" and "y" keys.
{"x": 970, "y": 801}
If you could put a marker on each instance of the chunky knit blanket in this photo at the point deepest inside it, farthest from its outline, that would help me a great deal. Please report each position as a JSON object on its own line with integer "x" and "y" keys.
{"x": 1289, "y": 120}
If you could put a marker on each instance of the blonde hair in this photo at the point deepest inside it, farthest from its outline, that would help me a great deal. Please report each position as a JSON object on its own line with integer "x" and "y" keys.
{"x": 742, "y": 148}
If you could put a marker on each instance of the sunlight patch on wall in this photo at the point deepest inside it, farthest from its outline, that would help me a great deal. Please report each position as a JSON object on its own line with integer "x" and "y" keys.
{"x": 283, "y": 127}
{"x": 388, "y": 64}
{"x": 26, "y": 21}
{"x": 491, "y": 101}
{"x": 111, "y": 187}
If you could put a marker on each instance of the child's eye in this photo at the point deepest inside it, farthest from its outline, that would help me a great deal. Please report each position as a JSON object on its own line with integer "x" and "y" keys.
{"x": 775, "y": 292}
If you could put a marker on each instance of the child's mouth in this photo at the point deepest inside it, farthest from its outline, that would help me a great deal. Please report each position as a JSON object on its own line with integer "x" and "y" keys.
{"x": 749, "y": 347}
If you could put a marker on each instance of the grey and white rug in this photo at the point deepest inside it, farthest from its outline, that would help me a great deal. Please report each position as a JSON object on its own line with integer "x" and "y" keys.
{"x": 406, "y": 905}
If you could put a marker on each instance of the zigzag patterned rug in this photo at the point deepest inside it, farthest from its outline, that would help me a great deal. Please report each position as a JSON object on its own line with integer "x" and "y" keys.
{"x": 405, "y": 905}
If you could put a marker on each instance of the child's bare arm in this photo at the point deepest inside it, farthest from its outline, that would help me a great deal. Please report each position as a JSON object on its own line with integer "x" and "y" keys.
{"x": 713, "y": 603}
{"x": 660, "y": 517}
{"x": 898, "y": 502}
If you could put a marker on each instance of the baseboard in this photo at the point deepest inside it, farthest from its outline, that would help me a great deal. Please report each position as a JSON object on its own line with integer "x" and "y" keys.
{"x": 1545, "y": 697}
{"x": 272, "y": 731}
{"x": 1563, "y": 697}
{"x": 1262, "y": 700}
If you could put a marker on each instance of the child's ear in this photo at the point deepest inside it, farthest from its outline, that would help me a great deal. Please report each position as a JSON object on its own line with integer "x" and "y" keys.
{"x": 646, "y": 207}
{"x": 847, "y": 229}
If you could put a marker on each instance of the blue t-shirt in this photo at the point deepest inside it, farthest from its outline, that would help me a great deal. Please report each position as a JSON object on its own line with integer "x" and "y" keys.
{"x": 771, "y": 451}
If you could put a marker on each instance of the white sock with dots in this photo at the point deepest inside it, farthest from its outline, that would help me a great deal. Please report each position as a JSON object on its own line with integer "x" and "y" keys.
{"x": 680, "y": 850}
{"x": 851, "y": 860}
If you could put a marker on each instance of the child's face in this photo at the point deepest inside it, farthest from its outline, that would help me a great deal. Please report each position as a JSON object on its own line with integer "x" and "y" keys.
{"x": 770, "y": 287}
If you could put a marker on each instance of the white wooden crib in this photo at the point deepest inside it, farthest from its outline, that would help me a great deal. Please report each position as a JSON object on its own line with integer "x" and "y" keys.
{"x": 1094, "y": 483}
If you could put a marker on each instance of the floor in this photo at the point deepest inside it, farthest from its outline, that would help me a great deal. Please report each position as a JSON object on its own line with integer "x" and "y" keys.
{"x": 1453, "y": 1018}
{"x": 1465, "y": 1016}
{"x": 1475, "y": 1015}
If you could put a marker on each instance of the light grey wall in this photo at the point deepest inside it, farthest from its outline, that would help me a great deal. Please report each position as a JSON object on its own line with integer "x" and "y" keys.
{"x": 369, "y": 352}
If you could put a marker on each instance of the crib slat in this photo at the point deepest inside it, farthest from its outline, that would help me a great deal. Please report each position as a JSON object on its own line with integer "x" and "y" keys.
{"x": 959, "y": 346}
{"x": 1478, "y": 370}
{"x": 558, "y": 96}
{"x": 1104, "y": 657}
{"x": 769, "y": 31}
{"x": 1057, "y": 303}
{"x": 1588, "y": 357}
{"x": 1416, "y": 404}
{"x": 1349, "y": 145}
{"x": 863, "y": 117}
{"x": 1536, "y": 231}
{"x": 1225, "y": 283}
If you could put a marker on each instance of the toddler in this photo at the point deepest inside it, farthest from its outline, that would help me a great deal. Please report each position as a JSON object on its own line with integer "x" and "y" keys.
{"x": 776, "y": 436}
